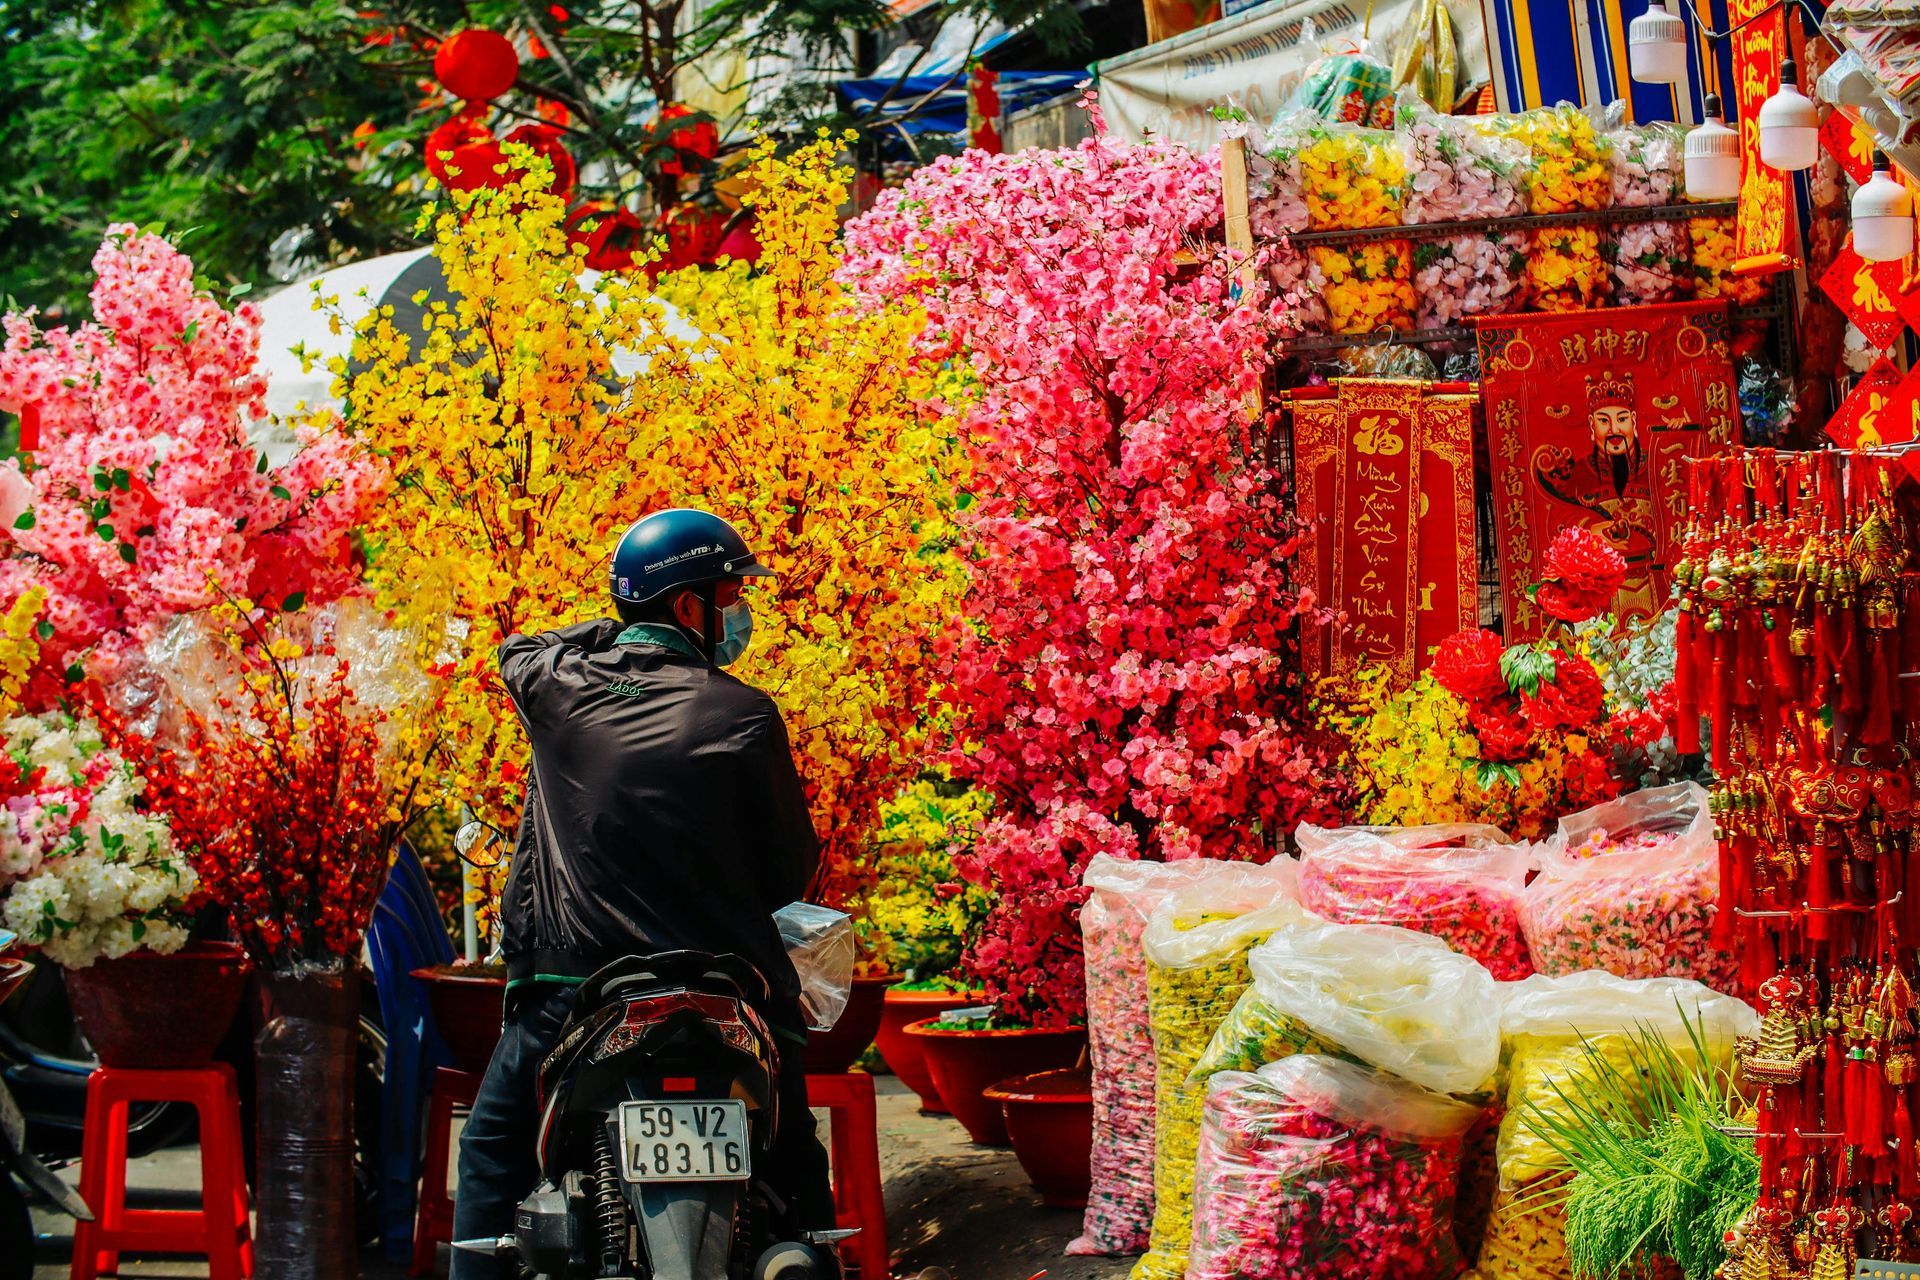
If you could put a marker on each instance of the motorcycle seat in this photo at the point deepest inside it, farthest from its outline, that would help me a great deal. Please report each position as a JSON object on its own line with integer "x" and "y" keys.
{"x": 720, "y": 975}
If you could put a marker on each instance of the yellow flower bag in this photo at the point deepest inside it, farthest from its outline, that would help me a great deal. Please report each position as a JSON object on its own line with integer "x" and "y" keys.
{"x": 1570, "y": 168}
{"x": 1197, "y": 946}
{"x": 1547, "y": 1024}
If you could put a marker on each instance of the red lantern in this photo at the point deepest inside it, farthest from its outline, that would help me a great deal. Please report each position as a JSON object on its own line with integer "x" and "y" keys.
{"x": 612, "y": 237}
{"x": 693, "y": 237}
{"x": 740, "y": 244}
{"x": 478, "y": 164}
{"x": 466, "y": 128}
{"x": 476, "y": 64}
{"x": 544, "y": 141}
{"x": 694, "y": 142}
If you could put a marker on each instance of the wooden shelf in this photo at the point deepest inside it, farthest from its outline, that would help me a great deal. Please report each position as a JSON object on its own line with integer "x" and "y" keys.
{"x": 1528, "y": 222}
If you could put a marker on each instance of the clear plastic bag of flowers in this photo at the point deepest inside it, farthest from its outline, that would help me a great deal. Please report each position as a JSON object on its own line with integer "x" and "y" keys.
{"x": 1650, "y": 259}
{"x": 1351, "y": 177}
{"x": 1347, "y": 84}
{"x": 1457, "y": 170}
{"x": 1196, "y": 945}
{"x": 819, "y": 941}
{"x": 1386, "y": 360}
{"x": 1459, "y": 277}
{"x": 1314, "y": 1168}
{"x": 1113, "y": 923}
{"x": 1297, "y": 279}
{"x": 1459, "y": 882}
{"x": 1569, "y": 169}
{"x": 1276, "y": 199}
{"x": 1402, "y": 1001}
{"x": 1368, "y": 286}
{"x": 1632, "y": 887}
{"x": 1550, "y": 1029}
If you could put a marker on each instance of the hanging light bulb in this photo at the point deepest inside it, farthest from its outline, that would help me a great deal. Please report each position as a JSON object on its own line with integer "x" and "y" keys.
{"x": 1789, "y": 125}
{"x": 1882, "y": 216}
{"x": 1712, "y": 157}
{"x": 1657, "y": 46}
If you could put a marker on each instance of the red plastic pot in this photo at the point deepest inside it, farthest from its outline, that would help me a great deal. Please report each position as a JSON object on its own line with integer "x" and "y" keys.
{"x": 833, "y": 1052}
{"x": 158, "y": 1012}
{"x": 965, "y": 1064}
{"x": 1050, "y": 1122}
{"x": 898, "y": 1011}
{"x": 468, "y": 1006}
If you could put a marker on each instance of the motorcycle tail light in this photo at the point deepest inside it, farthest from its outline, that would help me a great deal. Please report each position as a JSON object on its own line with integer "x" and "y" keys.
{"x": 648, "y": 1012}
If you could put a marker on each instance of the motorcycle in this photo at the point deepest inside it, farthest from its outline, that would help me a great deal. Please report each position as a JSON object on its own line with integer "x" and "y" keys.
{"x": 17, "y": 1158}
{"x": 659, "y": 1105}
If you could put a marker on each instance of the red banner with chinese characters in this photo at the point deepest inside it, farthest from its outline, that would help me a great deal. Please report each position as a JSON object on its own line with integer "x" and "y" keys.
{"x": 1590, "y": 415}
{"x": 1763, "y": 238}
{"x": 1384, "y": 479}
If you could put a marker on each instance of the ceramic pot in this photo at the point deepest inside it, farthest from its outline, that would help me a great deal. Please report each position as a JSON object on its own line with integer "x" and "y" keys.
{"x": 899, "y": 1010}
{"x": 965, "y": 1064}
{"x": 1049, "y": 1119}
{"x": 833, "y": 1052}
{"x": 468, "y": 1004}
{"x": 156, "y": 1012}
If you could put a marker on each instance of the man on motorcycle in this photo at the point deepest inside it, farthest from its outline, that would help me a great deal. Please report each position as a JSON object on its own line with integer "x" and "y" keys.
{"x": 663, "y": 814}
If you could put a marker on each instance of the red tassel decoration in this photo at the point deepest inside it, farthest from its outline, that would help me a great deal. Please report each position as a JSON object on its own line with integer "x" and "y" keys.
{"x": 1686, "y": 689}
{"x": 1877, "y": 729}
{"x": 1908, "y": 1172}
{"x": 1873, "y": 1117}
{"x": 1722, "y": 679}
{"x": 1819, "y": 895}
{"x": 1833, "y": 1086}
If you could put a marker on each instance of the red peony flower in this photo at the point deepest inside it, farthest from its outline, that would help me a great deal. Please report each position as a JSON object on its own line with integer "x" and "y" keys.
{"x": 1582, "y": 573}
{"x": 1467, "y": 665}
{"x": 1504, "y": 733}
{"x": 1571, "y": 700}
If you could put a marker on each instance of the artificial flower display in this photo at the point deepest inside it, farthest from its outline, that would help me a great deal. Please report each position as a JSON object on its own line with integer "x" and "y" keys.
{"x": 1121, "y": 678}
{"x": 1355, "y": 178}
{"x": 87, "y": 870}
{"x": 1458, "y": 172}
{"x": 921, "y": 913}
{"x": 1714, "y": 253}
{"x": 147, "y": 497}
{"x": 1650, "y": 259}
{"x": 1569, "y": 169}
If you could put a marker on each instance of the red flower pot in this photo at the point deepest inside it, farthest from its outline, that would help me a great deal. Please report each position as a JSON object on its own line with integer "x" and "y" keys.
{"x": 159, "y": 1012}
{"x": 901, "y": 1051}
{"x": 468, "y": 1006}
{"x": 1050, "y": 1121}
{"x": 964, "y": 1064}
{"x": 832, "y": 1052}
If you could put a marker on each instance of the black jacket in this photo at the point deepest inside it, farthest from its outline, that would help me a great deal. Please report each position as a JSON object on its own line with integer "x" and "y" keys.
{"x": 663, "y": 813}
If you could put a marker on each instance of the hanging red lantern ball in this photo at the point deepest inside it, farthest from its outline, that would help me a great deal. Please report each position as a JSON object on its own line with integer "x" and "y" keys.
{"x": 690, "y": 143}
{"x": 544, "y": 140}
{"x": 476, "y": 165}
{"x": 476, "y": 64}
{"x": 465, "y": 128}
{"x": 740, "y": 244}
{"x": 612, "y": 237}
{"x": 693, "y": 235}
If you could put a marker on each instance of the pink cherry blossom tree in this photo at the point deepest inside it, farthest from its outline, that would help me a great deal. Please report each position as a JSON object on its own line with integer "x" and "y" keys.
{"x": 1125, "y": 680}
{"x": 147, "y": 497}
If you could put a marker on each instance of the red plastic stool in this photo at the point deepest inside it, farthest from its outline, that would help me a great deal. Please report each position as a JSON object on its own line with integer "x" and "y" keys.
{"x": 855, "y": 1146}
{"x": 453, "y": 1091}
{"x": 218, "y": 1229}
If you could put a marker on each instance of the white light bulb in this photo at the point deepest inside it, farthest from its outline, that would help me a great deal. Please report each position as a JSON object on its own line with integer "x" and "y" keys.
{"x": 1657, "y": 46}
{"x": 1789, "y": 125}
{"x": 1882, "y": 216}
{"x": 1712, "y": 157}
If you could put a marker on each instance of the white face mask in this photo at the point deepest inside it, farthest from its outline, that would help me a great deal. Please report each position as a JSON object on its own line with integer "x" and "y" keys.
{"x": 736, "y": 632}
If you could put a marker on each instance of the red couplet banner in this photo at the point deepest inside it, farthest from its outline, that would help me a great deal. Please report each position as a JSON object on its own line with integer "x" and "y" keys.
{"x": 1384, "y": 479}
{"x": 1763, "y": 235}
{"x": 1590, "y": 417}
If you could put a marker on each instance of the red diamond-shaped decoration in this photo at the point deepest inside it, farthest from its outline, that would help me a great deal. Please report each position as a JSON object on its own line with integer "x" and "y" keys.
{"x": 1867, "y": 292}
{"x": 1849, "y": 142}
{"x": 1869, "y": 414}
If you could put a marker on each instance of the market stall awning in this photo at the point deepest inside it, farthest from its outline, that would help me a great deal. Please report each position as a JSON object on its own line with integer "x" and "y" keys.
{"x": 917, "y": 105}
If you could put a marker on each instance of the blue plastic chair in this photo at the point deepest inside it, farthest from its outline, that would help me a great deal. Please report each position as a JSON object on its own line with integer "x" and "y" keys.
{"x": 407, "y": 933}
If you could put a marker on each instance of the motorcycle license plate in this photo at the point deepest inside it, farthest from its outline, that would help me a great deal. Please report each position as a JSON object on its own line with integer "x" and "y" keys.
{"x": 684, "y": 1142}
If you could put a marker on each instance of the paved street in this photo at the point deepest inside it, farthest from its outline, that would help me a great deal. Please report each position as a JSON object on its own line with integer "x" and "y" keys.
{"x": 950, "y": 1205}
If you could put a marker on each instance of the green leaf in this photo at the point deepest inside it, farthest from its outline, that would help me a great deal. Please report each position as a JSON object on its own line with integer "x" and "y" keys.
{"x": 139, "y": 930}
{"x": 44, "y": 631}
{"x": 128, "y": 553}
{"x": 1525, "y": 667}
{"x": 102, "y": 481}
{"x": 105, "y": 531}
{"x": 260, "y": 467}
{"x": 144, "y": 531}
{"x": 240, "y": 290}
{"x": 280, "y": 491}
{"x": 240, "y": 524}
{"x": 189, "y": 333}
{"x": 76, "y": 673}
{"x": 122, "y": 479}
{"x": 25, "y": 520}
{"x": 293, "y": 602}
